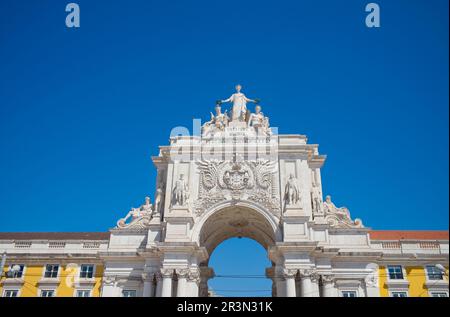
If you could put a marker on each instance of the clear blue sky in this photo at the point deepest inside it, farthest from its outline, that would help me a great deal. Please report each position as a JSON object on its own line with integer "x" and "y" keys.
{"x": 82, "y": 110}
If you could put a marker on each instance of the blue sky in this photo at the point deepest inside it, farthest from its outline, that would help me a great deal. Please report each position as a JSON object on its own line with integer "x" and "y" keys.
{"x": 83, "y": 110}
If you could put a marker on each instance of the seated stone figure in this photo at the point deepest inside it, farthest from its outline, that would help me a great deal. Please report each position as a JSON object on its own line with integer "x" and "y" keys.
{"x": 136, "y": 214}
{"x": 339, "y": 217}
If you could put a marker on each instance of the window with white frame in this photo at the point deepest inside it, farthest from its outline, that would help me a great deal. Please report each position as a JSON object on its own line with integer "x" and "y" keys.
{"x": 433, "y": 273}
{"x": 438, "y": 294}
{"x": 399, "y": 294}
{"x": 83, "y": 293}
{"x": 395, "y": 272}
{"x": 47, "y": 293}
{"x": 15, "y": 271}
{"x": 51, "y": 271}
{"x": 349, "y": 294}
{"x": 129, "y": 293}
{"x": 11, "y": 293}
{"x": 87, "y": 271}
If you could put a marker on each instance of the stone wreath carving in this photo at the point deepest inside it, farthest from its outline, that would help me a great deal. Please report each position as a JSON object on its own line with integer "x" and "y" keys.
{"x": 237, "y": 180}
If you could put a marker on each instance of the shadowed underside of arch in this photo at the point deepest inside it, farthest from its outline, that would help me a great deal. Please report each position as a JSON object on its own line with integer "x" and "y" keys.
{"x": 236, "y": 221}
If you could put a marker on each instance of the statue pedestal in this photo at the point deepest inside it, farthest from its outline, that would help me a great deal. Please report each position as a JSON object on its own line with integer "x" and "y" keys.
{"x": 179, "y": 221}
{"x": 237, "y": 124}
{"x": 295, "y": 224}
{"x": 154, "y": 230}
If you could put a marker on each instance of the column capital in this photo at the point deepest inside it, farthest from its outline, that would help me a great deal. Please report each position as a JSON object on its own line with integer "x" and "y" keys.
{"x": 309, "y": 273}
{"x": 194, "y": 276}
{"x": 109, "y": 280}
{"x": 327, "y": 278}
{"x": 147, "y": 276}
{"x": 182, "y": 273}
{"x": 289, "y": 273}
{"x": 166, "y": 273}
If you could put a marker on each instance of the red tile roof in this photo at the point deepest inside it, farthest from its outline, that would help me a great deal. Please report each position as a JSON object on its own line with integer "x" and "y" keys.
{"x": 408, "y": 235}
{"x": 54, "y": 235}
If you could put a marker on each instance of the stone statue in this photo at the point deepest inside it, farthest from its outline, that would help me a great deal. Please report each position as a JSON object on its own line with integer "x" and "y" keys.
{"x": 330, "y": 208}
{"x": 180, "y": 192}
{"x": 257, "y": 119}
{"x": 220, "y": 119}
{"x": 316, "y": 200}
{"x": 292, "y": 191}
{"x": 339, "y": 217}
{"x": 136, "y": 213}
{"x": 239, "y": 101}
{"x": 158, "y": 201}
{"x": 147, "y": 207}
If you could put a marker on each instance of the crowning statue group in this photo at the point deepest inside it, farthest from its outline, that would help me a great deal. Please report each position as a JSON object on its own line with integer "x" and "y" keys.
{"x": 239, "y": 113}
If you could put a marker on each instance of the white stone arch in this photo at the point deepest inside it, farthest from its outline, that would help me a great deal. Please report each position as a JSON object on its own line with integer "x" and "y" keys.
{"x": 266, "y": 217}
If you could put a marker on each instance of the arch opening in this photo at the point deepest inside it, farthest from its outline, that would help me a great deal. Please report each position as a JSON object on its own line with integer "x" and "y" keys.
{"x": 219, "y": 229}
{"x": 239, "y": 265}
{"x": 236, "y": 221}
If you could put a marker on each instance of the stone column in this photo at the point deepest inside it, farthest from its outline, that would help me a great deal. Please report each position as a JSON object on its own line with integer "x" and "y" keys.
{"x": 148, "y": 285}
{"x": 167, "y": 275}
{"x": 315, "y": 285}
{"x": 109, "y": 287}
{"x": 182, "y": 282}
{"x": 289, "y": 276}
{"x": 158, "y": 278}
{"x": 327, "y": 287}
{"x": 309, "y": 283}
{"x": 193, "y": 279}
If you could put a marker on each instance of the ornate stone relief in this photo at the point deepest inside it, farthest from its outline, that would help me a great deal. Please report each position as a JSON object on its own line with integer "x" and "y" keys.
{"x": 237, "y": 180}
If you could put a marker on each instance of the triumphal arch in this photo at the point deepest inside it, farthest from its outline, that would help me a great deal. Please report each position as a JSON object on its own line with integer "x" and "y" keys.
{"x": 238, "y": 177}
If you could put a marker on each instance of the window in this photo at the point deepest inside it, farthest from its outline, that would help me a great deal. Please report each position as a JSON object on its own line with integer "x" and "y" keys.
{"x": 83, "y": 293}
{"x": 11, "y": 293}
{"x": 47, "y": 293}
{"x": 399, "y": 294}
{"x": 439, "y": 294}
{"x": 434, "y": 273}
{"x": 128, "y": 293}
{"x": 15, "y": 271}
{"x": 87, "y": 271}
{"x": 51, "y": 270}
{"x": 395, "y": 272}
{"x": 349, "y": 294}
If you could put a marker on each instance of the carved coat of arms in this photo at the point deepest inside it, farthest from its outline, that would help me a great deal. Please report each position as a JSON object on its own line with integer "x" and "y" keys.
{"x": 251, "y": 180}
